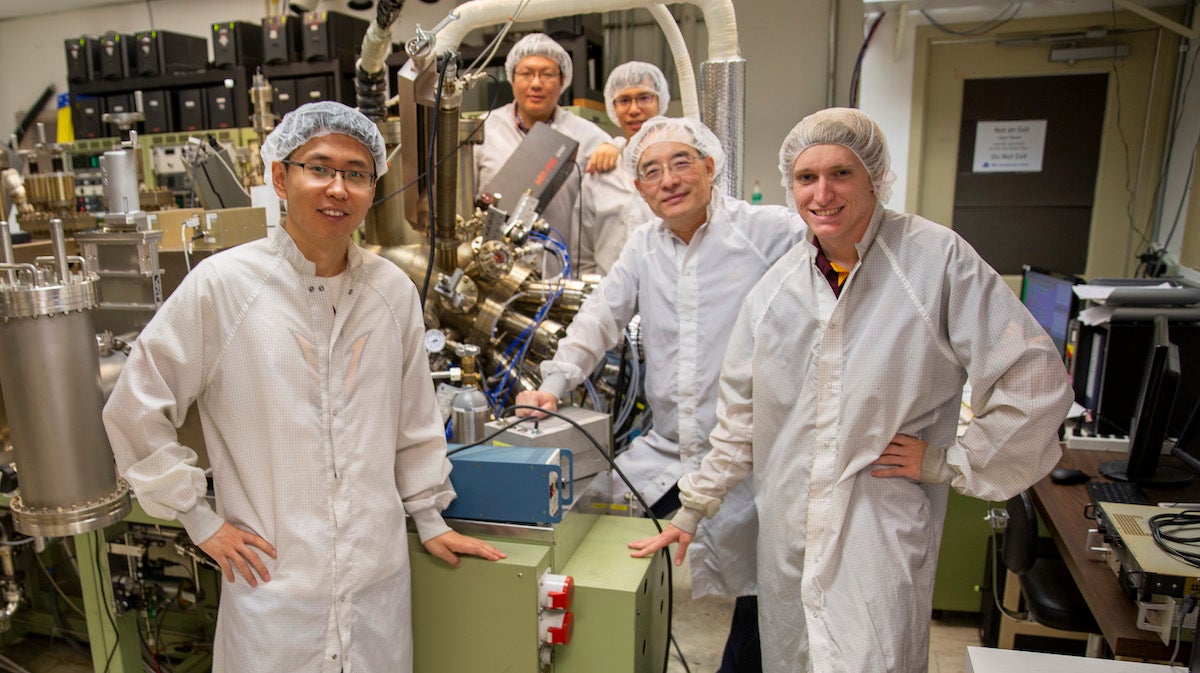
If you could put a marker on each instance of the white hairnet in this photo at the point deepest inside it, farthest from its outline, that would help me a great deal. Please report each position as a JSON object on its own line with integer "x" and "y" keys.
{"x": 684, "y": 130}
{"x": 847, "y": 127}
{"x": 539, "y": 44}
{"x": 631, "y": 74}
{"x": 313, "y": 120}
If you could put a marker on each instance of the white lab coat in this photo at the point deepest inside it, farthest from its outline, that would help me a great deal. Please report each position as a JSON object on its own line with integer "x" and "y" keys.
{"x": 612, "y": 209}
{"x": 322, "y": 431}
{"x": 688, "y": 296}
{"x": 813, "y": 388}
{"x": 500, "y": 139}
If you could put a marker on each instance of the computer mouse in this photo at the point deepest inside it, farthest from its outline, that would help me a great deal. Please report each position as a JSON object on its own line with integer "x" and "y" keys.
{"x": 1068, "y": 475}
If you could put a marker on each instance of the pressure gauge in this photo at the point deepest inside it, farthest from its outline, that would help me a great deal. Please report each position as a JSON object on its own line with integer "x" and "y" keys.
{"x": 435, "y": 340}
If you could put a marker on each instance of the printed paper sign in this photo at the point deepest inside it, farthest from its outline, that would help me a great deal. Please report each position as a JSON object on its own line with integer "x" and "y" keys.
{"x": 1010, "y": 146}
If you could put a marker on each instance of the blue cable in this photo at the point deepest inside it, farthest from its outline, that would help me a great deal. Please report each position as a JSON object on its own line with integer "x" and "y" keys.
{"x": 500, "y": 393}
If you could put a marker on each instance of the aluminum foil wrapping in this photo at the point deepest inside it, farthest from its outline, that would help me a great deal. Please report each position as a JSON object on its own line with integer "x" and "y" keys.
{"x": 723, "y": 109}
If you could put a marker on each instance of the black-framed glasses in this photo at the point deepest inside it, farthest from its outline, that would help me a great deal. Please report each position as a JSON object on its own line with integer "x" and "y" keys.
{"x": 322, "y": 174}
{"x": 680, "y": 165}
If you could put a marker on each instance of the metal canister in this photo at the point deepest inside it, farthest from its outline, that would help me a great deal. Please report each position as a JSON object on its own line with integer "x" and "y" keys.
{"x": 50, "y": 375}
{"x": 469, "y": 411}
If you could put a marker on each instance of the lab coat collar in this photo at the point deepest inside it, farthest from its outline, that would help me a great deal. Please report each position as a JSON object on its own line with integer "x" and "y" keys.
{"x": 289, "y": 251}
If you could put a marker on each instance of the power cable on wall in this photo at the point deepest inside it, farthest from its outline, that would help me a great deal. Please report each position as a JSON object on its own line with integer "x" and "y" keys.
{"x": 856, "y": 76}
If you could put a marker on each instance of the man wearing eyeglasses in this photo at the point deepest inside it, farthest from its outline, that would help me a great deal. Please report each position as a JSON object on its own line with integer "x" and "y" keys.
{"x": 304, "y": 354}
{"x": 686, "y": 272}
{"x": 540, "y": 71}
{"x": 633, "y": 93}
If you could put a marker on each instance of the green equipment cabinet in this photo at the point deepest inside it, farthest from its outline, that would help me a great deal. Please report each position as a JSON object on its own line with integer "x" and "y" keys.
{"x": 962, "y": 555}
{"x": 485, "y": 616}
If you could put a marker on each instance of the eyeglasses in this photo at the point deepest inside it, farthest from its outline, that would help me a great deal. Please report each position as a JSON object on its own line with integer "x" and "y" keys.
{"x": 530, "y": 75}
{"x": 642, "y": 99}
{"x": 681, "y": 165}
{"x": 324, "y": 175}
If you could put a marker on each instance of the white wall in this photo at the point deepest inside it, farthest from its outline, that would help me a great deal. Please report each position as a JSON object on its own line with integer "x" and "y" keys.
{"x": 888, "y": 84}
{"x": 1175, "y": 191}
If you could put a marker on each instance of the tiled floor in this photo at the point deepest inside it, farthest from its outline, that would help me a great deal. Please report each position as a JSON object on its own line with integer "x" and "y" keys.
{"x": 700, "y": 630}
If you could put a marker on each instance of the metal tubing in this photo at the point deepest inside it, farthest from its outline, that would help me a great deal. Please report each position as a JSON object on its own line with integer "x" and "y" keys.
{"x": 58, "y": 243}
{"x": 447, "y": 182}
{"x": 7, "y": 250}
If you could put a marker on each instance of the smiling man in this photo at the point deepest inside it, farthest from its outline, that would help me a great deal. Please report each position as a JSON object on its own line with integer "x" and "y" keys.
{"x": 634, "y": 93}
{"x": 687, "y": 272}
{"x": 303, "y": 353}
{"x": 840, "y": 396}
{"x": 540, "y": 71}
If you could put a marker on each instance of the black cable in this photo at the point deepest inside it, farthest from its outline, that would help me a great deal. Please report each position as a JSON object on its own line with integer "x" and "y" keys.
{"x": 437, "y": 110}
{"x": 102, "y": 552}
{"x": 616, "y": 468}
{"x": 1188, "y": 520}
{"x": 64, "y": 628}
{"x": 488, "y": 438}
{"x": 1121, "y": 131}
{"x": 619, "y": 390}
{"x": 645, "y": 507}
{"x": 991, "y": 24}
{"x": 577, "y": 255}
{"x": 856, "y": 75}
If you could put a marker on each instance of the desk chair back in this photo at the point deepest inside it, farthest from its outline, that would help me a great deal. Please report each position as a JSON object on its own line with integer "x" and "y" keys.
{"x": 1019, "y": 548}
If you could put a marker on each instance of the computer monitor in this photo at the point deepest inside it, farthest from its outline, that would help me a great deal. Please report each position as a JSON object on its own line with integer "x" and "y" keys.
{"x": 1152, "y": 414}
{"x": 1052, "y": 302}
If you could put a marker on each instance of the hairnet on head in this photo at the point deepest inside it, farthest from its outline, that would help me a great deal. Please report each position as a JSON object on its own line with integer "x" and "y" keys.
{"x": 847, "y": 127}
{"x": 631, "y": 74}
{"x": 684, "y": 130}
{"x": 313, "y": 120}
{"x": 539, "y": 44}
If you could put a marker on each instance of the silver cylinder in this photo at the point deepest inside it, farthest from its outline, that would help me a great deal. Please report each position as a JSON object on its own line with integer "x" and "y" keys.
{"x": 469, "y": 411}
{"x": 723, "y": 109}
{"x": 119, "y": 170}
{"x": 6, "y": 248}
{"x": 386, "y": 222}
{"x": 58, "y": 243}
{"x": 50, "y": 377}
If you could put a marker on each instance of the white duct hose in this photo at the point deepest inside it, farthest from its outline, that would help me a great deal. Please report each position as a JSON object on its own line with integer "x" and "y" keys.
{"x": 718, "y": 18}
{"x": 683, "y": 60}
{"x": 376, "y": 46}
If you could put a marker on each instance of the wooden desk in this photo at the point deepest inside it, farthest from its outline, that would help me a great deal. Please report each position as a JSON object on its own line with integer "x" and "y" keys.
{"x": 1061, "y": 509}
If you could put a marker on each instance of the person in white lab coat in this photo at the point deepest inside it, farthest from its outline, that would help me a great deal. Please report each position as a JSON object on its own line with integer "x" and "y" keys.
{"x": 539, "y": 70}
{"x": 634, "y": 92}
{"x": 686, "y": 272}
{"x": 840, "y": 391}
{"x": 303, "y": 353}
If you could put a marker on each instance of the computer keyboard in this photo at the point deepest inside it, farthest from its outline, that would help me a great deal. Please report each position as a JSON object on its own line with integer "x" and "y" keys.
{"x": 1117, "y": 491}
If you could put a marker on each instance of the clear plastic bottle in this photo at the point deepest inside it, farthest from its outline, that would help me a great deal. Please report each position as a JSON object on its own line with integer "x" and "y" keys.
{"x": 756, "y": 194}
